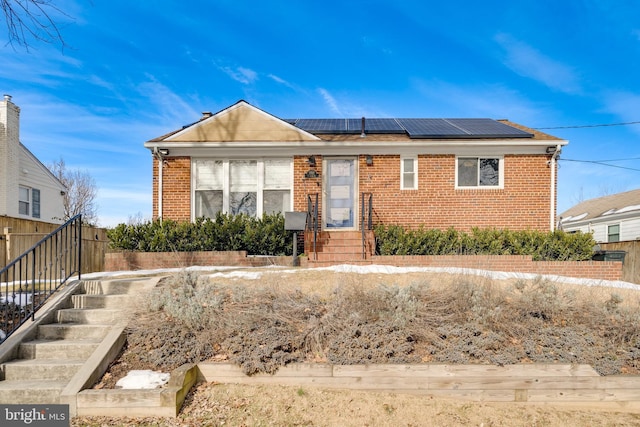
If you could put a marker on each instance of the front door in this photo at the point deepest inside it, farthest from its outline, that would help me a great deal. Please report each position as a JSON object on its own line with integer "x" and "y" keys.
{"x": 340, "y": 201}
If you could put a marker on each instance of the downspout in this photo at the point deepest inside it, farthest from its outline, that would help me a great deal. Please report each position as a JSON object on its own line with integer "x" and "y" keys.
{"x": 158, "y": 157}
{"x": 552, "y": 164}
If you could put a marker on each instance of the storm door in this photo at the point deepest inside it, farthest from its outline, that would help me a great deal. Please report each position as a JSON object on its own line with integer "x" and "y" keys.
{"x": 340, "y": 189}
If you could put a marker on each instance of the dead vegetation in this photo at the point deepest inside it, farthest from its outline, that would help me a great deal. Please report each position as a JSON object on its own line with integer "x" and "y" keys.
{"x": 344, "y": 318}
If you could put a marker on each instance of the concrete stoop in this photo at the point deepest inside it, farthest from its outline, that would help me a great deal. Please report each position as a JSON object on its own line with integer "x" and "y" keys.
{"x": 69, "y": 346}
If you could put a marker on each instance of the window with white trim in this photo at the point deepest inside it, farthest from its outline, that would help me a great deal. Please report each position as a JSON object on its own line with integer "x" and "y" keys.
{"x": 24, "y": 203}
{"x": 613, "y": 233}
{"x": 29, "y": 201}
{"x": 483, "y": 172}
{"x": 408, "y": 173}
{"x": 251, "y": 187}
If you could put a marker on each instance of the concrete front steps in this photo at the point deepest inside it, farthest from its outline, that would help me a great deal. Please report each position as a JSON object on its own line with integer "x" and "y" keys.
{"x": 70, "y": 345}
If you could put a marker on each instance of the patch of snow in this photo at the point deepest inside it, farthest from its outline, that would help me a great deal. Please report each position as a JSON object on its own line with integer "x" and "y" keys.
{"x": 254, "y": 273}
{"x": 143, "y": 379}
{"x": 575, "y": 218}
{"x": 21, "y": 299}
{"x": 629, "y": 208}
{"x": 249, "y": 275}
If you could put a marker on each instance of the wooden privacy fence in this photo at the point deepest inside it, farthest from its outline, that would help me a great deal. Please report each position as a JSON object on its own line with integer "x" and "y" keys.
{"x": 18, "y": 235}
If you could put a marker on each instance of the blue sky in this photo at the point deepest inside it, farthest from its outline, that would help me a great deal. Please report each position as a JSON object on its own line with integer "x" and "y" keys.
{"x": 134, "y": 70}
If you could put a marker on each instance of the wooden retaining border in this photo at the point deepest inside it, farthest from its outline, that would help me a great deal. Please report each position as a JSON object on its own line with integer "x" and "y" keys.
{"x": 564, "y": 385}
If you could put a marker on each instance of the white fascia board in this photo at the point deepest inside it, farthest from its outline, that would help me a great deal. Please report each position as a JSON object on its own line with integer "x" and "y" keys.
{"x": 459, "y": 147}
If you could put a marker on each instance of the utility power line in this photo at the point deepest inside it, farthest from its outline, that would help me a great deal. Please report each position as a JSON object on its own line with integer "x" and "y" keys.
{"x": 591, "y": 126}
{"x": 601, "y": 162}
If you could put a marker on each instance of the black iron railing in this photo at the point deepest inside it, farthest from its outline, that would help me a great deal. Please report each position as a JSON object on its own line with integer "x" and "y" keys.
{"x": 29, "y": 280}
{"x": 312, "y": 219}
{"x": 366, "y": 217}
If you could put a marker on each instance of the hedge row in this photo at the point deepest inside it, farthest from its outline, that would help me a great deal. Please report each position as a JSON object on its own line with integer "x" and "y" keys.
{"x": 542, "y": 246}
{"x": 257, "y": 236}
{"x": 266, "y": 236}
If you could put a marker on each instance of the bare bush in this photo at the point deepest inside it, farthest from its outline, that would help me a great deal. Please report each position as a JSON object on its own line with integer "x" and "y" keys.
{"x": 356, "y": 320}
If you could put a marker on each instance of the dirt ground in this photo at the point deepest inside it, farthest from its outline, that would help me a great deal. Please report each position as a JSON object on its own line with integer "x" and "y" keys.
{"x": 152, "y": 343}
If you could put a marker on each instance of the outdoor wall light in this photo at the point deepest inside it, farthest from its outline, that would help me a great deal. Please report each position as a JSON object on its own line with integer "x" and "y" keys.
{"x": 369, "y": 160}
{"x": 551, "y": 150}
{"x": 164, "y": 151}
{"x": 312, "y": 161}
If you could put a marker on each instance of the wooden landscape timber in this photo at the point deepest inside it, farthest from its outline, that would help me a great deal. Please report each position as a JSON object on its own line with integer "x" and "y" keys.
{"x": 562, "y": 385}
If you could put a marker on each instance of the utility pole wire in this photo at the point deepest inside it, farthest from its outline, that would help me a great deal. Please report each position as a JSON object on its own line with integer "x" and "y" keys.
{"x": 599, "y": 163}
{"x": 591, "y": 126}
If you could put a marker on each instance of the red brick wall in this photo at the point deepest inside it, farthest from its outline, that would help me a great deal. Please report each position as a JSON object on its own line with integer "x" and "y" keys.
{"x": 176, "y": 189}
{"x": 523, "y": 203}
{"x": 126, "y": 261}
{"x": 601, "y": 270}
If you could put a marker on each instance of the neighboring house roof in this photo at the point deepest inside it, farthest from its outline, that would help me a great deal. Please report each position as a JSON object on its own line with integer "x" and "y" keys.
{"x": 243, "y": 122}
{"x": 602, "y": 208}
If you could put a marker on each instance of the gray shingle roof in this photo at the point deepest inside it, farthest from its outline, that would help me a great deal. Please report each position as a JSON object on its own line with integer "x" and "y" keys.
{"x": 628, "y": 201}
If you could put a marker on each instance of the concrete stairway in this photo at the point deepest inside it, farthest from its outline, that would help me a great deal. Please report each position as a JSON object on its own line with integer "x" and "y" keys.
{"x": 46, "y": 361}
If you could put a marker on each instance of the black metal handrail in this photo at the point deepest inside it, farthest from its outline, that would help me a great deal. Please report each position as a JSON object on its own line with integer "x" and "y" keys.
{"x": 366, "y": 213}
{"x": 29, "y": 280}
{"x": 312, "y": 219}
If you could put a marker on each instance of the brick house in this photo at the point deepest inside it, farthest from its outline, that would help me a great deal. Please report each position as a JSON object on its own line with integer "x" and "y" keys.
{"x": 28, "y": 190}
{"x": 437, "y": 173}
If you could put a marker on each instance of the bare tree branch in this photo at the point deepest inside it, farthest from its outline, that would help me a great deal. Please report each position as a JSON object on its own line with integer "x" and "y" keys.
{"x": 32, "y": 19}
{"x": 80, "y": 197}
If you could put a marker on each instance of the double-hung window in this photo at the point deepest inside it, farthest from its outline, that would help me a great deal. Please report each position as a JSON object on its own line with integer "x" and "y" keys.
{"x": 251, "y": 187}
{"x": 29, "y": 201}
{"x": 409, "y": 173}
{"x": 613, "y": 233}
{"x": 483, "y": 172}
{"x": 24, "y": 203}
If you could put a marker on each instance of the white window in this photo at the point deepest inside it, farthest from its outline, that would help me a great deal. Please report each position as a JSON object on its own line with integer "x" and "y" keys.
{"x": 24, "y": 207}
{"x": 408, "y": 173}
{"x": 209, "y": 185}
{"x": 483, "y": 172}
{"x": 29, "y": 201}
{"x": 277, "y": 186}
{"x": 613, "y": 233}
{"x": 251, "y": 187}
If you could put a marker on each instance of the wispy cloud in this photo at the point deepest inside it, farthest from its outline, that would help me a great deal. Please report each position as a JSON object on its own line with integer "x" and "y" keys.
{"x": 493, "y": 101}
{"x": 330, "y": 101}
{"x": 529, "y": 62}
{"x": 238, "y": 73}
{"x": 282, "y": 81}
{"x": 624, "y": 105}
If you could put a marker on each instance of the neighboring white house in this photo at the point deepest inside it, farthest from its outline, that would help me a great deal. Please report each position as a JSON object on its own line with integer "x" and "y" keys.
{"x": 613, "y": 218}
{"x": 27, "y": 188}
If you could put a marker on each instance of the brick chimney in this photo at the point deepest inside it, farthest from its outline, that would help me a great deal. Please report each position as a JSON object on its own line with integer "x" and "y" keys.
{"x": 9, "y": 156}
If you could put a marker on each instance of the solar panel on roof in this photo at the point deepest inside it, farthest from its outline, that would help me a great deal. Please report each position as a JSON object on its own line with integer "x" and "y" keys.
{"x": 323, "y": 125}
{"x": 375, "y": 126}
{"x": 489, "y": 128}
{"x": 433, "y": 128}
{"x": 416, "y": 128}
